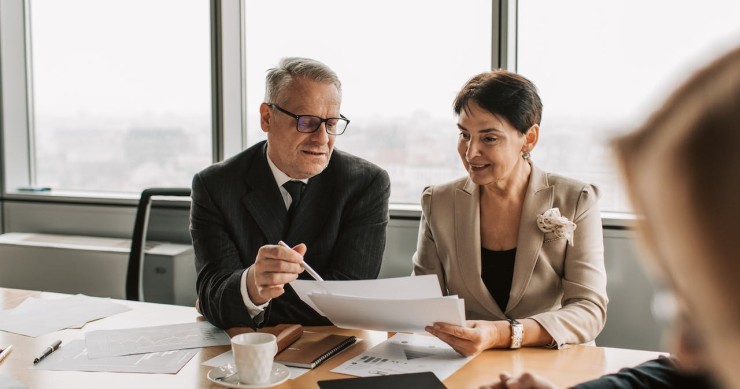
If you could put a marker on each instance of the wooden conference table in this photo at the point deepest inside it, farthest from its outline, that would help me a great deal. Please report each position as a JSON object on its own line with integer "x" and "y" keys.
{"x": 563, "y": 367}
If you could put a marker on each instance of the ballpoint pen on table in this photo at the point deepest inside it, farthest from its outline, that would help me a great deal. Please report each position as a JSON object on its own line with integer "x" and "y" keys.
{"x": 310, "y": 271}
{"x": 54, "y": 346}
{"x": 5, "y": 351}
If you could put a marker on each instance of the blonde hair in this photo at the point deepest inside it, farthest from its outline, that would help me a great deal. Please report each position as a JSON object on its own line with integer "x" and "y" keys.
{"x": 687, "y": 155}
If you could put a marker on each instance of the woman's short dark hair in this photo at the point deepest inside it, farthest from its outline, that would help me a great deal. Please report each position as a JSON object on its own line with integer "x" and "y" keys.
{"x": 505, "y": 94}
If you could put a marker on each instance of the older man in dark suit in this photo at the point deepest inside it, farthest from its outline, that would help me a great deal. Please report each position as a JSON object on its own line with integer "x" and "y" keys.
{"x": 332, "y": 207}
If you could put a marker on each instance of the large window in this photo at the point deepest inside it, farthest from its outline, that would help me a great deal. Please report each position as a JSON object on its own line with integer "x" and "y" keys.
{"x": 603, "y": 66}
{"x": 400, "y": 62}
{"x": 121, "y": 93}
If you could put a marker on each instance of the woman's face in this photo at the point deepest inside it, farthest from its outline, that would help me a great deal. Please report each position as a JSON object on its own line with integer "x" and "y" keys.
{"x": 489, "y": 146}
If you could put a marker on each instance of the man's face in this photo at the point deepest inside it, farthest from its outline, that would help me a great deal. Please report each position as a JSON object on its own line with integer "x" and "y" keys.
{"x": 300, "y": 155}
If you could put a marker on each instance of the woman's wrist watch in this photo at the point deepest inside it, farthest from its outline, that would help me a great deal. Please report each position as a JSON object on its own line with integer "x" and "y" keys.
{"x": 517, "y": 333}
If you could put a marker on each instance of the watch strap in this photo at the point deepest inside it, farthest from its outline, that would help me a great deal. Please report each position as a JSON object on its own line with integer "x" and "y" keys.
{"x": 517, "y": 333}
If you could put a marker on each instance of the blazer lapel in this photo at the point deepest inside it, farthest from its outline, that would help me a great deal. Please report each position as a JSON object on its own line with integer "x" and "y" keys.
{"x": 263, "y": 199}
{"x": 537, "y": 200}
{"x": 468, "y": 245}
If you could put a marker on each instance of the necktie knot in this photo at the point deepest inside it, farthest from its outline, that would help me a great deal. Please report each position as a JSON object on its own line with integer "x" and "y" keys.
{"x": 295, "y": 189}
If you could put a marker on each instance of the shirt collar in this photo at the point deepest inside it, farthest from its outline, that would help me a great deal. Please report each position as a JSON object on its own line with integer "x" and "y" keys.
{"x": 280, "y": 177}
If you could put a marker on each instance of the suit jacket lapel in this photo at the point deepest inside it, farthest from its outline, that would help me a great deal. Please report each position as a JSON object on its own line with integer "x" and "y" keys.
{"x": 263, "y": 199}
{"x": 468, "y": 245}
{"x": 538, "y": 199}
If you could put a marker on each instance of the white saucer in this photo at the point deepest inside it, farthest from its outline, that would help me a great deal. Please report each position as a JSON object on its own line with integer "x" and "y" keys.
{"x": 226, "y": 375}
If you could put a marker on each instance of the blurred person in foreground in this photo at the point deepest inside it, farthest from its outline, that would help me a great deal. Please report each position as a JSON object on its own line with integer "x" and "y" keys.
{"x": 522, "y": 247}
{"x": 682, "y": 170}
{"x": 329, "y": 206}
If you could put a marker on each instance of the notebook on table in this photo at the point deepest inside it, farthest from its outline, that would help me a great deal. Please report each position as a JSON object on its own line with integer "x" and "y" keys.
{"x": 426, "y": 380}
{"x": 313, "y": 348}
{"x": 285, "y": 334}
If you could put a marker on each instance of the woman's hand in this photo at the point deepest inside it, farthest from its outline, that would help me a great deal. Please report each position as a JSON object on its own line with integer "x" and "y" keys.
{"x": 474, "y": 337}
{"x": 522, "y": 381}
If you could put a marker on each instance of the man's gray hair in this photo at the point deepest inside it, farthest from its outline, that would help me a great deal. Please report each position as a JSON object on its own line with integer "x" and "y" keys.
{"x": 280, "y": 77}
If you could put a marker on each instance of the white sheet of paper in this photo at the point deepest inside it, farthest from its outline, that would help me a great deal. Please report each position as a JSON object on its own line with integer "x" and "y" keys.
{"x": 8, "y": 382}
{"x": 385, "y": 288}
{"x": 73, "y": 356}
{"x": 35, "y": 317}
{"x": 109, "y": 343}
{"x": 228, "y": 357}
{"x": 405, "y": 353}
{"x": 409, "y": 315}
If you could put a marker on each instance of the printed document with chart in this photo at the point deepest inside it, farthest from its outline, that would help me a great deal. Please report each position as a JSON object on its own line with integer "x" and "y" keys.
{"x": 403, "y": 304}
{"x": 405, "y": 353}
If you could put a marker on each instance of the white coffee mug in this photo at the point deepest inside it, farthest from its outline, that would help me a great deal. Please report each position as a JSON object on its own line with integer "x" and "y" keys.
{"x": 253, "y": 356}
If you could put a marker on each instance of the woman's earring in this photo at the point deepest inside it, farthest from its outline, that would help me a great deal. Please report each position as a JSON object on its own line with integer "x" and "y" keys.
{"x": 526, "y": 155}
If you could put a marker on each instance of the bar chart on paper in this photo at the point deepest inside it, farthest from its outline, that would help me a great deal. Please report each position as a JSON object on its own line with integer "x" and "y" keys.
{"x": 405, "y": 353}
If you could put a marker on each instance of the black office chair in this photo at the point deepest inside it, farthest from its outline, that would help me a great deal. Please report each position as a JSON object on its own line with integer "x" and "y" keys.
{"x": 138, "y": 239}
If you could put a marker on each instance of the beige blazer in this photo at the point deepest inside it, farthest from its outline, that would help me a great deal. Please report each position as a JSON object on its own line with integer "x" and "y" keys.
{"x": 560, "y": 286}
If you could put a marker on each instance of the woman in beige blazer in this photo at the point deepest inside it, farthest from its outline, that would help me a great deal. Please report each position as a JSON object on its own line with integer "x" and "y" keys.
{"x": 682, "y": 173}
{"x": 522, "y": 247}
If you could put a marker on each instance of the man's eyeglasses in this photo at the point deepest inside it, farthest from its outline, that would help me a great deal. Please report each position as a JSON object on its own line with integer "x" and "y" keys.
{"x": 309, "y": 123}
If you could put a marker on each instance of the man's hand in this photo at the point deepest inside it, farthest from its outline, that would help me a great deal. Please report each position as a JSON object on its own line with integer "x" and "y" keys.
{"x": 522, "y": 381}
{"x": 274, "y": 267}
{"x": 476, "y": 336}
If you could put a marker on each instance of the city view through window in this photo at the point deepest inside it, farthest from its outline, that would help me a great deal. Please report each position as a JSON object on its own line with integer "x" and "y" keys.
{"x": 120, "y": 109}
{"x": 121, "y": 93}
{"x": 400, "y": 70}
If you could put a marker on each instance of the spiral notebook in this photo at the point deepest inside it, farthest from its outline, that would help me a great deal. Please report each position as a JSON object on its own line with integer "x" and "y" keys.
{"x": 313, "y": 348}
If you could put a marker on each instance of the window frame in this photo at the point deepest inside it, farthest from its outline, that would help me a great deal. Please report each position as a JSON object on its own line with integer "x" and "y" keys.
{"x": 16, "y": 156}
{"x": 229, "y": 111}
{"x": 228, "y": 58}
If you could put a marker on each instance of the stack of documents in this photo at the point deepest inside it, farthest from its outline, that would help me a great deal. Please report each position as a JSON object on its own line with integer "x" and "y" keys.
{"x": 160, "y": 349}
{"x": 403, "y": 304}
{"x": 35, "y": 317}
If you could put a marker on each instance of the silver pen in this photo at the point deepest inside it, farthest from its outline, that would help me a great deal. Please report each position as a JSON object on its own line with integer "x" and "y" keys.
{"x": 310, "y": 271}
{"x": 54, "y": 346}
{"x": 5, "y": 351}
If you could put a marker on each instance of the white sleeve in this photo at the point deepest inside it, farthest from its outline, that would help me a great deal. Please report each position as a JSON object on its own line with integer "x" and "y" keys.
{"x": 253, "y": 309}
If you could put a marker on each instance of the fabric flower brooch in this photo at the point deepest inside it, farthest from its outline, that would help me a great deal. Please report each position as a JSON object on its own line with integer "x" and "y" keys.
{"x": 551, "y": 221}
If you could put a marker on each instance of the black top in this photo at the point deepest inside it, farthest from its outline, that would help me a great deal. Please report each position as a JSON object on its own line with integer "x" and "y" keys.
{"x": 661, "y": 373}
{"x": 497, "y": 270}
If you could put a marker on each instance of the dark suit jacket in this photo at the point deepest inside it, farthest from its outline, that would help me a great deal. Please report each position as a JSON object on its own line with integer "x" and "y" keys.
{"x": 237, "y": 208}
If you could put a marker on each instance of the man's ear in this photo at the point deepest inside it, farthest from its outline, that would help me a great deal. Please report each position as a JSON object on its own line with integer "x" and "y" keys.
{"x": 265, "y": 117}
